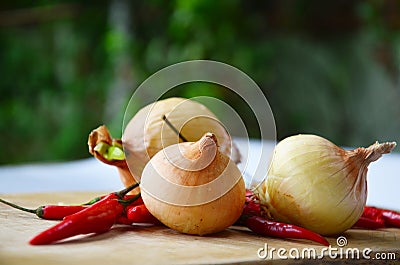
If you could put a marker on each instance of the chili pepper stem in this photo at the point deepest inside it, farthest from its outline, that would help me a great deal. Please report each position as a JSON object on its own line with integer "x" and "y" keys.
{"x": 123, "y": 192}
{"x": 129, "y": 201}
{"x": 35, "y": 211}
{"x": 94, "y": 200}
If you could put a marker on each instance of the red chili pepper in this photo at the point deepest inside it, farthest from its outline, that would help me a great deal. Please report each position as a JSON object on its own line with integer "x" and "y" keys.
{"x": 249, "y": 194}
{"x": 389, "y": 217}
{"x": 264, "y": 227}
{"x": 368, "y": 223}
{"x": 58, "y": 212}
{"x": 123, "y": 220}
{"x": 49, "y": 212}
{"x": 252, "y": 206}
{"x": 392, "y": 218}
{"x": 372, "y": 212}
{"x": 140, "y": 214}
{"x": 97, "y": 218}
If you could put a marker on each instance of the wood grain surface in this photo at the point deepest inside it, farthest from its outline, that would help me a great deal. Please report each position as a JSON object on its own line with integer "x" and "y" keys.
{"x": 160, "y": 245}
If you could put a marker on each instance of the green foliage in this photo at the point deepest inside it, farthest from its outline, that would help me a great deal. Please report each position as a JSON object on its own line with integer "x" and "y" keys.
{"x": 57, "y": 74}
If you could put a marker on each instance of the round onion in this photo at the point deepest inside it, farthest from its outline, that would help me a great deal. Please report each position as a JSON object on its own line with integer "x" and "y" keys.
{"x": 317, "y": 185}
{"x": 193, "y": 187}
{"x": 147, "y": 132}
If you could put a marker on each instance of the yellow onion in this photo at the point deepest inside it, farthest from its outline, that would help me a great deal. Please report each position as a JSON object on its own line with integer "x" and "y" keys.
{"x": 193, "y": 188}
{"x": 315, "y": 184}
{"x": 147, "y": 132}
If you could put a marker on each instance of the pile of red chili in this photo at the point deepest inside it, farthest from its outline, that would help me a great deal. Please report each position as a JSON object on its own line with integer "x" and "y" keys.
{"x": 101, "y": 213}
{"x": 96, "y": 216}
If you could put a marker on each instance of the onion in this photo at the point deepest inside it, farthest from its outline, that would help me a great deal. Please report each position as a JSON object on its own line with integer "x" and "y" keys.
{"x": 147, "y": 132}
{"x": 315, "y": 184}
{"x": 193, "y": 188}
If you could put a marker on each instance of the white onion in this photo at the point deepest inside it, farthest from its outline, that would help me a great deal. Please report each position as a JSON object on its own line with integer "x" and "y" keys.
{"x": 317, "y": 185}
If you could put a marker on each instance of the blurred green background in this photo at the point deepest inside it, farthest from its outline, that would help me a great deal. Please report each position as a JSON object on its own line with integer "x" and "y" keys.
{"x": 327, "y": 67}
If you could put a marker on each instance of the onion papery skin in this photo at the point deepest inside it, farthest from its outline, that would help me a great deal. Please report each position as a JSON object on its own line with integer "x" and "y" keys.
{"x": 315, "y": 184}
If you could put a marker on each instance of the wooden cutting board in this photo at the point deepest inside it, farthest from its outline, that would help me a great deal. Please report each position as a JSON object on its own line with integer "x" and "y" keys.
{"x": 160, "y": 245}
